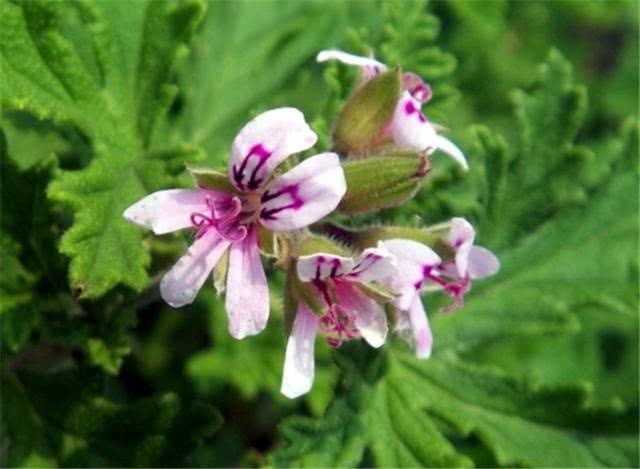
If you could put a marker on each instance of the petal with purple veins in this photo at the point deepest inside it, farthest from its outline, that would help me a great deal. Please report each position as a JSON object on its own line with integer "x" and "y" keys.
{"x": 182, "y": 283}
{"x": 373, "y": 264}
{"x": 264, "y": 143}
{"x": 409, "y": 127}
{"x": 321, "y": 266}
{"x": 247, "y": 297}
{"x": 170, "y": 210}
{"x": 299, "y": 362}
{"x": 414, "y": 260}
{"x": 304, "y": 194}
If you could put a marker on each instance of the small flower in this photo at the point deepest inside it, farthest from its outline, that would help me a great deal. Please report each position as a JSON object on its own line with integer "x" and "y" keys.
{"x": 230, "y": 220}
{"x": 415, "y": 263}
{"x": 469, "y": 262}
{"x": 409, "y": 127}
{"x": 420, "y": 268}
{"x": 348, "y": 313}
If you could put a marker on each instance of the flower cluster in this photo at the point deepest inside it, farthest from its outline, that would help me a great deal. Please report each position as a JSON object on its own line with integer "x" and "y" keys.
{"x": 356, "y": 285}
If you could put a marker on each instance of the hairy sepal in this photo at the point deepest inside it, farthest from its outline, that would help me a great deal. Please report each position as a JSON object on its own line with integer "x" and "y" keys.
{"x": 382, "y": 181}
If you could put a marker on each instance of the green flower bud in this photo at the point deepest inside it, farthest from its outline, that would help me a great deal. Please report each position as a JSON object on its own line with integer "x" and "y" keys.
{"x": 361, "y": 123}
{"x": 380, "y": 182}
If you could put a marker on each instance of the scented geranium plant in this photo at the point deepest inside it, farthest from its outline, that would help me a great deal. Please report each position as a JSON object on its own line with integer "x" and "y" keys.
{"x": 293, "y": 234}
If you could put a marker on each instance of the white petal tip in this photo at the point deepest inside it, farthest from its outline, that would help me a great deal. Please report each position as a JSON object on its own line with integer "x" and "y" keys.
{"x": 240, "y": 334}
{"x": 293, "y": 392}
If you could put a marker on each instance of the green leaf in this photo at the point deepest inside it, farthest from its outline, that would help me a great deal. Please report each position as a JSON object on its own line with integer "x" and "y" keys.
{"x": 375, "y": 413}
{"x": 390, "y": 395}
{"x": 115, "y": 95}
{"x": 335, "y": 441}
{"x": 253, "y": 366}
{"x": 246, "y": 57}
{"x": 69, "y": 417}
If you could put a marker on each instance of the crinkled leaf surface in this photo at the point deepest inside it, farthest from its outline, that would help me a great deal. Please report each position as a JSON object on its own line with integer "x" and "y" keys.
{"x": 86, "y": 428}
{"x": 106, "y": 69}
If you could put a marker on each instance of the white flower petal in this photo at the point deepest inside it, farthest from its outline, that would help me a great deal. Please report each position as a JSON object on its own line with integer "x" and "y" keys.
{"x": 321, "y": 266}
{"x": 298, "y": 372}
{"x": 370, "y": 67}
{"x": 304, "y": 194}
{"x": 182, "y": 283}
{"x": 170, "y": 210}
{"x": 421, "y": 329}
{"x": 247, "y": 298}
{"x": 482, "y": 262}
{"x": 409, "y": 128}
{"x": 371, "y": 320}
{"x": 460, "y": 238}
{"x": 373, "y": 264}
{"x": 452, "y": 150}
{"x": 414, "y": 260}
{"x": 264, "y": 143}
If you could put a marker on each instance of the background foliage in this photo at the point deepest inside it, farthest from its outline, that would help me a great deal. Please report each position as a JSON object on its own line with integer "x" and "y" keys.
{"x": 103, "y": 102}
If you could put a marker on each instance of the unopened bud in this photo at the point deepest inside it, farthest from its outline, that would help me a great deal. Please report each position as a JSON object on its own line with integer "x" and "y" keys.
{"x": 362, "y": 122}
{"x": 381, "y": 182}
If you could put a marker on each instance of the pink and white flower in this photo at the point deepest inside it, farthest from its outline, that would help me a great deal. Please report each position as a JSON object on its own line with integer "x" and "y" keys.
{"x": 229, "y": 221}
{"x": 415, "y": 263}
{"x": 409, "y": 127}
{"x": 348, "y": 313}
{"x": 420, "y": 268}
{"x": 470, "y": 262}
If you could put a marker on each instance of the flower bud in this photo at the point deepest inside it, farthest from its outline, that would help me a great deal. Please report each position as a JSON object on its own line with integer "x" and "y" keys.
{"x": 366, "y": 114}
{"x": 380, "y": 182}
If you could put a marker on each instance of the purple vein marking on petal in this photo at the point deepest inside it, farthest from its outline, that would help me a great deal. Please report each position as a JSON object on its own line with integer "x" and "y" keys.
{"x": 426, "y": 273}
{"x": 363, "y": 265}
{"x": 335, "y": 263}
{"x": 319, "y": 262}
{"x": 410, "y": 108}
{"x": 263, "y": 155}
{"x": 296, "y": 201}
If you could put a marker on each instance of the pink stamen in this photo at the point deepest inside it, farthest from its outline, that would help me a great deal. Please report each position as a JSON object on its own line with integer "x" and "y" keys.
{"x": 454, "y": 289}
{"x": 222, "y": 218}
{"x": 338, "y": 325}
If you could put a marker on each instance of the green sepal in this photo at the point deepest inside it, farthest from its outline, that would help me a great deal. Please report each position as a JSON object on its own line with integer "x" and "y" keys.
{"x": 268, "y": 242}
{"x": 381, "y": 182}
{"x": 376, "y": 292}
{"x": 366, "y": 113}
{"x": 211, "y": 179}
{"x": 220, "y": 273}
{"x": 314, "y": 244}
